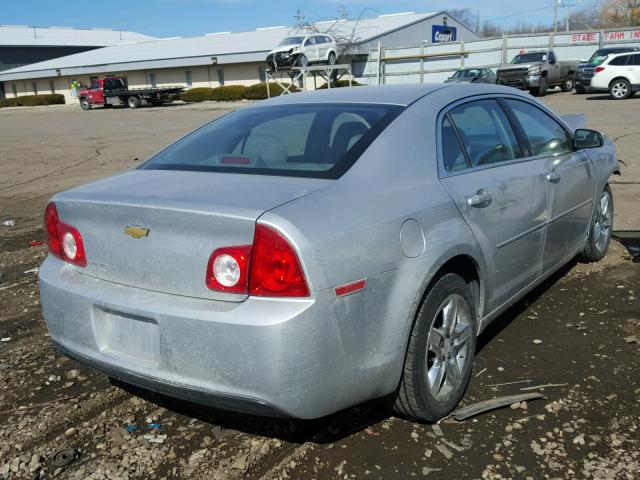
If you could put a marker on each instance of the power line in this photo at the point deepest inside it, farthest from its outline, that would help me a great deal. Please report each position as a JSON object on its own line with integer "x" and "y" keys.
{"x": 519, "y": 13}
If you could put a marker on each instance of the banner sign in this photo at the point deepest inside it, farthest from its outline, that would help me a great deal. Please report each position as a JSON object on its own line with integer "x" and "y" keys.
{"x": 443, "y": 33}
{"x": 608, "y": 36}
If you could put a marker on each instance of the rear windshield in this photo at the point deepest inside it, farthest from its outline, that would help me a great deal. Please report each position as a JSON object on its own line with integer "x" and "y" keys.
{"x": 305, "y": 140}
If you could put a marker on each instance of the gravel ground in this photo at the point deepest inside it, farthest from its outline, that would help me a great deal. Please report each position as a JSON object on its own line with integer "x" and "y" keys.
{"x": 579, "y": 332}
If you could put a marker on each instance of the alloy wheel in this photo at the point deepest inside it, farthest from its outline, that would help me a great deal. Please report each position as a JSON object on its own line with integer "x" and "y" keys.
{"x": 604, "y": 221}
{"x": 448, "y": 347}
{"x": 619, "y": 90}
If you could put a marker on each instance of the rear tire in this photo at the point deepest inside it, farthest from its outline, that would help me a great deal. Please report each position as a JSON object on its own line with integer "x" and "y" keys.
{"x": 600, "y": 229}
{"x": 133, "y": 102}
{"x": 85, "y": 104}
{"x": 440, "y": 353}
{"x": 568, "y": 84}
{"x": 620, "y": 89}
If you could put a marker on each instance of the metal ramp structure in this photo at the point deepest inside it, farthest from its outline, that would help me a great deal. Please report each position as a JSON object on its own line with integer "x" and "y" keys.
{"x": 300, "y": 75}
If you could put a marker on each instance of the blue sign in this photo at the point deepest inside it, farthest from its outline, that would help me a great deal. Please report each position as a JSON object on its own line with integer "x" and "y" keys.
{"x": 443, "y": 33}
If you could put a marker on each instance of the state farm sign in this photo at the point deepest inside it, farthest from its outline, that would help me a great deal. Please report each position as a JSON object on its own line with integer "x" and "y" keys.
{"x": 608, "y": 36}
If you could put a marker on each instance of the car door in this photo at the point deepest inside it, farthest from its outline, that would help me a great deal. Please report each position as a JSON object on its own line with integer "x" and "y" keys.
{"x": 311, "y": 49}
{"x": 501, "y": 195}
{"x": 95, "y": 94}
{"x": 569, "y": 176}
{"x": 322, "y": 47}
{"x": 554, "y": 72}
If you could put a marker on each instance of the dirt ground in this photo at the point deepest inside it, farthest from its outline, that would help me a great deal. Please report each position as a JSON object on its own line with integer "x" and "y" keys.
{"x": 579, "y": 332}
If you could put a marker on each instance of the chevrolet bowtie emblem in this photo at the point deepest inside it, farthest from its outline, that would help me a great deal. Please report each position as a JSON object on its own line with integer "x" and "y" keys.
{"x": 136, "y": 232}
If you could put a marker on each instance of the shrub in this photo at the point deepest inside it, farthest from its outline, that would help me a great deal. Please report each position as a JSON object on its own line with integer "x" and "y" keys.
{"x": 230, "y": 93}
{"x": 33, "y": 100}
{"x": 340, "y": 84}
{"x": 259, "y": 91}
{"x": 199, "y": 94}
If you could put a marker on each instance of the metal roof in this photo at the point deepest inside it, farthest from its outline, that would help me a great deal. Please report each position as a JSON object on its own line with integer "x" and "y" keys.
{"x": 214, "y": 48}
{"x": 25, "y": 36}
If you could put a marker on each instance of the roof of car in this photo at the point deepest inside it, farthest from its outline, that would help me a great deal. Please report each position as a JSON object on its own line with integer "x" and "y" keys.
{"x": 383, "y": 94}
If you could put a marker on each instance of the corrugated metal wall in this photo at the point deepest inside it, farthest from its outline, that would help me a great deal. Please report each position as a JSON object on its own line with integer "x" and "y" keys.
{"x": 417, "y": 34}
{"x": 424, "y": 63}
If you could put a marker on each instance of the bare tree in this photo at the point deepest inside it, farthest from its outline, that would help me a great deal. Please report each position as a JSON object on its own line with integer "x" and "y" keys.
{"x": 465, "y": 16}
{"x": 620, "y": 13}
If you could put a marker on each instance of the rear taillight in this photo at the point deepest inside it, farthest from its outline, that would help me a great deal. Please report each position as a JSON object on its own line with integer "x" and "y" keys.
{"x": 51, "y": 222}
{"x": 275, "y": 268}
{"x": 598, "y": 69}
{"x": 268, "y": 268}
{"x": 64, "y": 241}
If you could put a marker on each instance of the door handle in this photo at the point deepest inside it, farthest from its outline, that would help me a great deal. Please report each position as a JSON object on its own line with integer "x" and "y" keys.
{"x": 553, "y": 177}
{"x": 481, "y": 199}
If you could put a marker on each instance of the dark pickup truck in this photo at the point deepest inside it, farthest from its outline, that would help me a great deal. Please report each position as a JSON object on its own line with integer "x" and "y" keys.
{"x": 112, "y": 91}
{"x": 537, "y": 71}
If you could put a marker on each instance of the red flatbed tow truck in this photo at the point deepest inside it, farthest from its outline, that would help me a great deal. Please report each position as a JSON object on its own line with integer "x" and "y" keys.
{"x": 111, "y": 91}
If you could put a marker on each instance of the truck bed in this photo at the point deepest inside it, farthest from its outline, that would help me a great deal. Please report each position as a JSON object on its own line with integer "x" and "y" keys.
{"x": 142, "y": 92}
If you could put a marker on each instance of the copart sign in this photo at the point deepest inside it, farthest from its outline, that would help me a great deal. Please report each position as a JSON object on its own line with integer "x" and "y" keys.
{"x": 443, "y": 33}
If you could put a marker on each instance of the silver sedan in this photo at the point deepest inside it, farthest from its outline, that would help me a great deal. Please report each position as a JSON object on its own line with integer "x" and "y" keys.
{"x": 307, "y": 253}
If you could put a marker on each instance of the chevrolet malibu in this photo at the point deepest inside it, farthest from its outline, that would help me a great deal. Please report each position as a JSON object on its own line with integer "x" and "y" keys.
{"x": 310, "y": 252}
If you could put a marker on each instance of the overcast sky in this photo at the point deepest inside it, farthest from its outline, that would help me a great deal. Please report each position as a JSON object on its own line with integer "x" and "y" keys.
{"x": 165, "y": 18}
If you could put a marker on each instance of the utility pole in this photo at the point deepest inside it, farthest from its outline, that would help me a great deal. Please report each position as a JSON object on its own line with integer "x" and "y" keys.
{"x": 555, "y": 16}
{"x": 477, "y": 20}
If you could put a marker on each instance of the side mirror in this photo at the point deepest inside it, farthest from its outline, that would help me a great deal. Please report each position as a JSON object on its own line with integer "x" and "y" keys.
{"x": 552, "y": 61}
{"x": 584, "y": 138}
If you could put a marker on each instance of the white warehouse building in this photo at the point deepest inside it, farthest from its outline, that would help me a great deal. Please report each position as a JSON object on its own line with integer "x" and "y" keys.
{"x": 223, "y": 58}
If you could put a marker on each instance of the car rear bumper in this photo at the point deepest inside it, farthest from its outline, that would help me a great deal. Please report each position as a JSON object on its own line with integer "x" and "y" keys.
{"x": 274, "y": 357}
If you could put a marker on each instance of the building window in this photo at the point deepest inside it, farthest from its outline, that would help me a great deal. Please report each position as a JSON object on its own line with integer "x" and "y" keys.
{"x": 189, "y": 79}
{"x": 221, "y": 76}
{"x": 34, "y": 87}
{"x": 262, "y": 75}
{"x": 15, "y": 89}
{"x": 52, "y": 86}
{"x": 152, "y": 80}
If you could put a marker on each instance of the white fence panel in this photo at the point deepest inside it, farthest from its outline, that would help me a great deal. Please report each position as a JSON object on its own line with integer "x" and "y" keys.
{"x": 435, "y": 63}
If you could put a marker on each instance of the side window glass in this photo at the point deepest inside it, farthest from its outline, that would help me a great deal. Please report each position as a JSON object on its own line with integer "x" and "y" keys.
{"x": 619, "y": 60}
{"x": 94, "y": 86}
{"x": 636, "y": 60}
{"x": 552, "y": 57}
{"x": 452, "y": 154}
{"x": 486, "y": 133}
{"x": 546, "y": 136}
{"x": 310, "y": 41}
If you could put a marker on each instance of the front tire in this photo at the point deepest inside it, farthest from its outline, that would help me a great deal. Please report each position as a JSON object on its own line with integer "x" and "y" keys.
{"x": 568, "y": 84}
{"x": 581, "y": 90}
{"x": 600, "y": 229}
{"x": 133, "y": 102}
{"x": 542, "y": 89}
{"x": 440, "y": 353}
{"x": 85, "y": 104}
{"x": 302, "y": 61}
{"x": 620, "y": 89}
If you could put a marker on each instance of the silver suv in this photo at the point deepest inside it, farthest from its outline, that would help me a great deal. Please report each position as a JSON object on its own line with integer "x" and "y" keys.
{"x": 303, "y": 50}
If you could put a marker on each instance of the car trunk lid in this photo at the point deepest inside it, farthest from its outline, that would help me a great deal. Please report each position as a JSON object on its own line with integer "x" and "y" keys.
{"x": 156, "y": 230}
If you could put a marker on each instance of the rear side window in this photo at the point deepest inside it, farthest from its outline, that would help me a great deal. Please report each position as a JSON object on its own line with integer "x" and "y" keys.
{"x": 454, "y": 159}
{"x": 545, "y": 135}
{"x": 485, "y": 132}
{"x": 306, "y": 140}
{"x": 636, "y": 60}
{"x": 622, "y": 60}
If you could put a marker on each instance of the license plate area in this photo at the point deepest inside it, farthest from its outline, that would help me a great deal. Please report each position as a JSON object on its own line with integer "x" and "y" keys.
{"x": 120, "y": 333}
